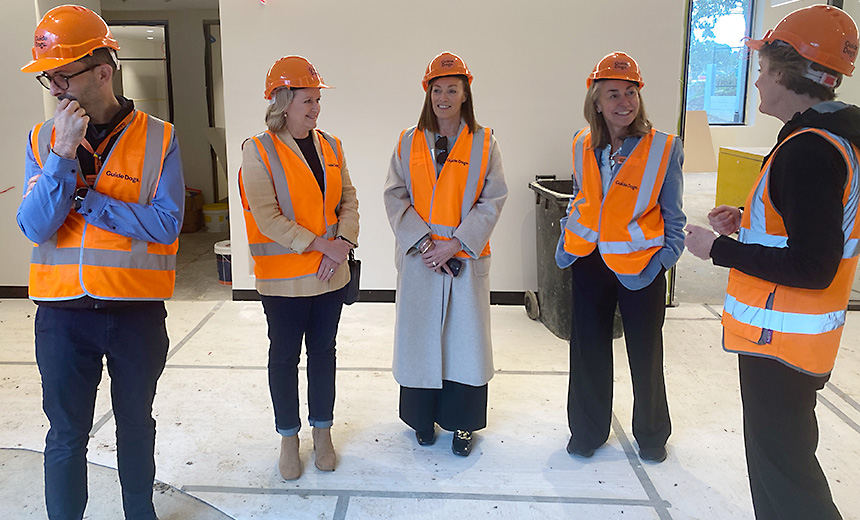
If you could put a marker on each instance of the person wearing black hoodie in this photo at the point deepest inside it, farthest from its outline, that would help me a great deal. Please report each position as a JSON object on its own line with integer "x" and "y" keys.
{"x": 794, "y": 260}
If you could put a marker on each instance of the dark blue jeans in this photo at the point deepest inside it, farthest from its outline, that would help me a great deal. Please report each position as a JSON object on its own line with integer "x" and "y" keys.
{"x": 70, "y": 346}
{"x": 314, "y": 318}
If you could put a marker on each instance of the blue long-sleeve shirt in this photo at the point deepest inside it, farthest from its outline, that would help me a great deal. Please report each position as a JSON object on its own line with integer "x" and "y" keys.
{"x": 671, "y": 207}
{"x": 47, "y": 206}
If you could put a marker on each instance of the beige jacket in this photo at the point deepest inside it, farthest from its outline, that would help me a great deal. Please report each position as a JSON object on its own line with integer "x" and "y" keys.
{"x": 260, "y": 193}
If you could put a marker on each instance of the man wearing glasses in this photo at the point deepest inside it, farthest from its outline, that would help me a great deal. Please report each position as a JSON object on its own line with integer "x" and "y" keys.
{"x": 103, "y": 204}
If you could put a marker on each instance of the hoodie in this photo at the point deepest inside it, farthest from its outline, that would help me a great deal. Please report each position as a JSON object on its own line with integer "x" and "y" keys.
{"x": 806, "y": 184}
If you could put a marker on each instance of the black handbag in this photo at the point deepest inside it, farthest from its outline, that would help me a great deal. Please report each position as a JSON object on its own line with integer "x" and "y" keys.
{"x": 352, "y": 288}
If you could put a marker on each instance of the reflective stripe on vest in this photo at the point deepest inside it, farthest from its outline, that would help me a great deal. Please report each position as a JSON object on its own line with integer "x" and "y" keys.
{"x": 630, "y": 234}
{"x": 84, "y": 259}
{"x": 273, "y": 261}
{"x": 445, "y": 201}
{"x": 799, "y": 327}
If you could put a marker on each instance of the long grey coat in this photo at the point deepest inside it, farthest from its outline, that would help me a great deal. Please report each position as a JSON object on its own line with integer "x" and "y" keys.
{"x": 442, "y": 328}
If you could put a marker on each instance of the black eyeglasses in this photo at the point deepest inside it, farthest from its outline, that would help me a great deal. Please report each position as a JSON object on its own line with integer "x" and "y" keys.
{"x": 441, "y": 149}
{"x": 60, "y": 80}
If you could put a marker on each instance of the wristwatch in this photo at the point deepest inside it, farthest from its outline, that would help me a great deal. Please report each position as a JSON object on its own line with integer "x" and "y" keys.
{"x": 80, "y": 193}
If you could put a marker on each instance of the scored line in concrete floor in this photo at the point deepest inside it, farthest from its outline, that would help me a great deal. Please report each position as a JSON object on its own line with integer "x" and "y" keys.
{"x": 845, "y": 397}
{"x": 839, "y": 413}
{"x": 196, "y": 329}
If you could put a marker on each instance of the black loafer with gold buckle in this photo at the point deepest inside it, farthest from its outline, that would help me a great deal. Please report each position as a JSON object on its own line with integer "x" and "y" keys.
{"x": 462, "y": 443}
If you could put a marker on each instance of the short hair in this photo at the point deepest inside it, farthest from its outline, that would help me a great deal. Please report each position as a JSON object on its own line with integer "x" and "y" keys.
{"x": 782, "y": 57}
{"x": 101, "y": 56}
{"x": 276, "y": 119}
{"x": 600, "y": 137}
{"x": 427, "y": 120}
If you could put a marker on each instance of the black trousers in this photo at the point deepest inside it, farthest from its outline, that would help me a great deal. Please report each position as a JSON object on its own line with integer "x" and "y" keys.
{"x": 596, "y": 291}
{"x": 453, "y": 407}
{"x": 780, "y": 437}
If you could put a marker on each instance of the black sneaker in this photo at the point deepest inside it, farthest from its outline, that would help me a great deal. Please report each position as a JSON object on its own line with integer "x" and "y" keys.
{"x": 427, "y": 438}
{"x": 462, "y": 443}
{"x": 657, "y": 454}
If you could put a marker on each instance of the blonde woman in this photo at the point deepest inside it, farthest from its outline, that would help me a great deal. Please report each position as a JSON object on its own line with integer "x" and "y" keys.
{"x": 301, "y": 216}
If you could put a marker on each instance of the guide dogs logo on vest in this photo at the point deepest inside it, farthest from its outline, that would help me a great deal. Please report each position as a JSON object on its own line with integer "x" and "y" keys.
{"x": 118, "y": 175}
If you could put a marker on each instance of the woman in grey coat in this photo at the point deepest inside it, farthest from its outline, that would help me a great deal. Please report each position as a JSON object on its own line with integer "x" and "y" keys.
{"x": 443, "y": 196}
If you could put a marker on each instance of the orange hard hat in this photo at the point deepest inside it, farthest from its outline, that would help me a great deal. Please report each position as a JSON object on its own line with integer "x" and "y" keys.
{"x": 445, "y": 64}
{"x": 820, "y": 33}
{"x": 65, "y": 34}
{"x": 616, "y": 65}
{"x": 292, "y": 72}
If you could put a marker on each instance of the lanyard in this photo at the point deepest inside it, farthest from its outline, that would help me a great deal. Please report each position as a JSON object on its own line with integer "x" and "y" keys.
{"x": 98, "y": 152}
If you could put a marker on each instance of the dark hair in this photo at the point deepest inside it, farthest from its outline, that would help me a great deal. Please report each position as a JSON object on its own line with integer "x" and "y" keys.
{"x": 783, "y": 58}
{"x": 599, "y": 131}
{"x": 100, "y": 56}
{"x": 427, "y": 120}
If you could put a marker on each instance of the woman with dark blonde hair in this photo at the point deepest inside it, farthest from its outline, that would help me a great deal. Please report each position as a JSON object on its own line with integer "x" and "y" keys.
{"x": 444, "y": 193}
{"x": 301, "y": 216}
{"x": 623, "y": 230}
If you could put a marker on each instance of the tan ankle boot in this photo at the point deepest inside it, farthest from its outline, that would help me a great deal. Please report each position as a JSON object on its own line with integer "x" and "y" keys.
{"x": 325, "y": 458}
{"x": 289, "y": 463}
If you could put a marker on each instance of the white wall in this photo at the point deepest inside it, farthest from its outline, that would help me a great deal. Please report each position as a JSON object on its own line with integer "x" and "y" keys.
{"x": 20, "y": 109}
{"x": 530, "y": 60}
{"x": 190, "y": 114}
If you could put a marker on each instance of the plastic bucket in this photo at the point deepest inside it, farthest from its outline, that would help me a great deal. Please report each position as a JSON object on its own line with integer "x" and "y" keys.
{"x": 222, "y": 257}
{"x": 216, "y": 217}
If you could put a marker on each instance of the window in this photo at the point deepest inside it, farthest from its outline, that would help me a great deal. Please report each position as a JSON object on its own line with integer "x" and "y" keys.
{"x": 717, "y": 66}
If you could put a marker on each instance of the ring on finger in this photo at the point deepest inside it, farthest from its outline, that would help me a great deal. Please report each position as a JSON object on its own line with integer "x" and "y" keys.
{"x": 434, "y": 264}
{"x": 331, "y": 270}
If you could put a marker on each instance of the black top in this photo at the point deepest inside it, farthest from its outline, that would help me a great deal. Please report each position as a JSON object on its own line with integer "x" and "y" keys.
{"x": 806, "y": 183}
{"x": 306, "y": 145}
{"x": 97, "y": 133}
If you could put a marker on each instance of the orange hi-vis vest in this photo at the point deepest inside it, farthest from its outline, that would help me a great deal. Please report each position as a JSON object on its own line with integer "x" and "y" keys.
{"x": 625, "y": 224}
{"x": 799, "y": 327}
{"x": 300, "y": 200}
{"x": 443, "y": 203}
{"x": 82, "y": 259}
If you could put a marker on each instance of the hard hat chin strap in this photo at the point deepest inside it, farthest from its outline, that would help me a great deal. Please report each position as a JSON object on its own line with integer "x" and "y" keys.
{"x": 114, "y": 57}
{"x": 820, "y": 77}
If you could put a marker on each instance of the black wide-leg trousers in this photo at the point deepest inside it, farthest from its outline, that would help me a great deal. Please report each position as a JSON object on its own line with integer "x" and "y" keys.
{"x": 455, "y": 406}
{"x": 596, "y": 291}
